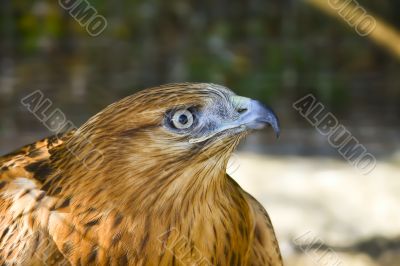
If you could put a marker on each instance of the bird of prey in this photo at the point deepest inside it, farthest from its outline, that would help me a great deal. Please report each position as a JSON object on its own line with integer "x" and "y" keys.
{"x": 143, "y": 182}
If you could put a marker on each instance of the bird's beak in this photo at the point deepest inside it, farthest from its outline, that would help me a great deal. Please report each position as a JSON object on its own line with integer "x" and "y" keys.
{"x": 254, "y": 115}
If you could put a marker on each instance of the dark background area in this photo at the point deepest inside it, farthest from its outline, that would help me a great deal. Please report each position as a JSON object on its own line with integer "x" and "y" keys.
{"x": 276, "y": 51}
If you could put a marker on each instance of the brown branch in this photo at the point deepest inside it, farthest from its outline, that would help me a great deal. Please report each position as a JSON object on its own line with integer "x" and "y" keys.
{"x": 371, "y": 26}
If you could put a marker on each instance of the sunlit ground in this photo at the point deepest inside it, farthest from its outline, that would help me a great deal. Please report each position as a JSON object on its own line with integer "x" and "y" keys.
{"x": 325, "y": 212}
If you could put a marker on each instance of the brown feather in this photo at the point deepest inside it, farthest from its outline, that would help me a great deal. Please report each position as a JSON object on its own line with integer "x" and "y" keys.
{"x": 123, "y": 190}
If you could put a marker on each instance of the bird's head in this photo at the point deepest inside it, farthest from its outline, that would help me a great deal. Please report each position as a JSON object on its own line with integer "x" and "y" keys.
{"x": 171, "y": 124}
{"x": 161, "y": 141}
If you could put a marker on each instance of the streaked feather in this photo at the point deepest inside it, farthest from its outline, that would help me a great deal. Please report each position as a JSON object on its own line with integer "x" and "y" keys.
{"x": 153, "y": 200}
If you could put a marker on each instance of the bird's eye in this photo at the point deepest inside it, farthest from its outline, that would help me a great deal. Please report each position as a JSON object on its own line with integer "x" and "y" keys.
{"x": 182, "y": 119}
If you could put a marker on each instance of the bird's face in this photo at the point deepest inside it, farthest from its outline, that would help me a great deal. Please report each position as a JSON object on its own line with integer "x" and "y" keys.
{"x": 179, "y": 122}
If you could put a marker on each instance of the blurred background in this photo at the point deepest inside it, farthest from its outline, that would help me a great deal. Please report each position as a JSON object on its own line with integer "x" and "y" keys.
{"x": 324, "y": 210}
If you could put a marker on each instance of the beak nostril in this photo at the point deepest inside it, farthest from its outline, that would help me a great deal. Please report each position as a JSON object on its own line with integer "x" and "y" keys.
{"x": 241, "y": 110}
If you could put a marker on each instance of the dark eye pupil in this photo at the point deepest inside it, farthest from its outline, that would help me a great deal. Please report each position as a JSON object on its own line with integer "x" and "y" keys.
{"x": 183, "y": 119}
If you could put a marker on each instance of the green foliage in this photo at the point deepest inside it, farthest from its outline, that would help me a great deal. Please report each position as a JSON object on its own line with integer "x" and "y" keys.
{"x": 262, "y": 49}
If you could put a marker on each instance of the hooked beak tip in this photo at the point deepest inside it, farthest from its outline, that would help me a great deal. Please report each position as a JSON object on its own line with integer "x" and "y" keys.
{"x": 274, "y": 123}
{"x": 277, "y": 132}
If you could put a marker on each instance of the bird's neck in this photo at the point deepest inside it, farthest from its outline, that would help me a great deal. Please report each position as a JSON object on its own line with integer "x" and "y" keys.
{"x": 203, "y": 210}
{"x": 199, "y": 204}
{"x": 165, "y": 189}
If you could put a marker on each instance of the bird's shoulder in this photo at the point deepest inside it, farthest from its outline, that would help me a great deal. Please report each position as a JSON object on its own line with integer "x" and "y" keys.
{"x": 25, "y": 207}
{"x": 265, "y": 249}
{"x": 28, "y": 161}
